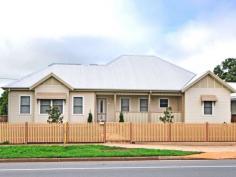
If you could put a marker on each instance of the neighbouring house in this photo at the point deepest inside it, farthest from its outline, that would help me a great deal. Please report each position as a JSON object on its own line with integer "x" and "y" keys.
{"x": 233, "y": 102}
{"x": 139, "y": 86}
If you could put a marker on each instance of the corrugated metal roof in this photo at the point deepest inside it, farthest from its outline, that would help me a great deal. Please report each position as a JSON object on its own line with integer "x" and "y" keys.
{"x": 128, "y": 72}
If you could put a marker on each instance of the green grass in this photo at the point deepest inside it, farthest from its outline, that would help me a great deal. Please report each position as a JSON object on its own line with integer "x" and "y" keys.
{"x": 79, "y": 151}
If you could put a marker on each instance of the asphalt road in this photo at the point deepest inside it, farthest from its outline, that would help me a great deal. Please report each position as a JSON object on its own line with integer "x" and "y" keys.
{"x": 170, "y": 168}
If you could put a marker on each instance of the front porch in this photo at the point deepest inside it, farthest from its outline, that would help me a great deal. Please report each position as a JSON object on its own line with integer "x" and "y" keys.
{"x": 139, "y": 107}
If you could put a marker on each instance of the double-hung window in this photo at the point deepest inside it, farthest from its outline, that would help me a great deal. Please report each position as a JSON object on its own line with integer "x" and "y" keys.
{"x": 45, "y": 105}
{"x": 143, "y": 105}
{"x": 24, "y": 104}
{"x": 124, "y": 104}
{"x": 78, "y": 105}
{"x": 208, "y": 107}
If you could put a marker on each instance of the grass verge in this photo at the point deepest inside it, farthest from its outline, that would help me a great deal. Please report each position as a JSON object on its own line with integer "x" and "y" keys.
{"x": 79, "y": 151}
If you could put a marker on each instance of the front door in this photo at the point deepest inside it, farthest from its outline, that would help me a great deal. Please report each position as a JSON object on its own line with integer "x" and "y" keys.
{"x": 101, "y": 109}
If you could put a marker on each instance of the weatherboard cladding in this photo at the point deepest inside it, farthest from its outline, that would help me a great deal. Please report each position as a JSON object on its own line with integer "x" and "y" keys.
{"x": 124, "y": 73}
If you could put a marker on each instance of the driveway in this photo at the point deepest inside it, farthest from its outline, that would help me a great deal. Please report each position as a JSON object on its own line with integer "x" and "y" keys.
{"x": 210, "y": 150}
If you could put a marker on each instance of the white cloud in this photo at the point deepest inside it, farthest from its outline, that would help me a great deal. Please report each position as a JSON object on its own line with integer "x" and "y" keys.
{"x": 58, "y": 18}
{"x": 27, "y": 21}
{"x": 201, "y": 44}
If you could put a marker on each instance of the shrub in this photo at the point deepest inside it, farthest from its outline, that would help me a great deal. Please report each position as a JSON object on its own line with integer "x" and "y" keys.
{"x": 5, "y": 142}
{"x": 54, "y": 115}
{"x": 121, "y": 117}
{"x": 167, "y": 117}
{"x": 90, "y": 117}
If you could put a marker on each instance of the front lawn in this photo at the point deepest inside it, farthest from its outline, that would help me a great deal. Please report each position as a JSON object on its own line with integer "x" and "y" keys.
{"x": 79, "y": 151}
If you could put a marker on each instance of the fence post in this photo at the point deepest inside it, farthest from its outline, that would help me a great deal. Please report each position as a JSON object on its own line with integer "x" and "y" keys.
{"x": 131, "y": 132}
{"x": 26, "y": 132}
{"x": 169, "y": 132}
{"x": 65, "y": 132}
{"x": 207, "y": 132}
{"x": 104, "y": 133}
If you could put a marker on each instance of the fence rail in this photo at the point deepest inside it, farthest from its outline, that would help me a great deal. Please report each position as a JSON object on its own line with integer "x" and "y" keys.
{"x": 128, "y": 132}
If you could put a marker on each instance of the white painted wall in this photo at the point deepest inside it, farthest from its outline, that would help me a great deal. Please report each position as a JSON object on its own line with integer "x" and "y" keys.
{"x": 193, "y": 105}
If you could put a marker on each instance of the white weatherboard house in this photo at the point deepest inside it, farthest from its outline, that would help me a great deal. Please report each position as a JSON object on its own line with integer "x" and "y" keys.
{"x": 139, "y": 86}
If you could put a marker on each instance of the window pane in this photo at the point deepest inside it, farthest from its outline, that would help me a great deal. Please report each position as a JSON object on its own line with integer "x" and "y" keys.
{"x": 78, "y": 101}
{"x": 45, "y": 102}
{"x": 44, "y": 106}
{"x": 78, "y": 105}
{"x": 25, "y": 100}
{"x": 78, "y": 110}
{"x": 25, "y": 104}
{"x": 143, "y": 105}
{"x": 163, "y": 103}
{"x": 58, "y": 104}
{"x": 125, "y": 104}
{"x": 25, "y": 109}
{"x": 44, "y": 109}
{"x": 208, "y": 107}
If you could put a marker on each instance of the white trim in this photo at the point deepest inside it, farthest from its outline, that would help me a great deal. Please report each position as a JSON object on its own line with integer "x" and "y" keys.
{"x": 129, "y": 103}
{"x": 72, "y": 108}
{"x": 213, "y": 109}
{"x": 159, "y": 102}
{"x": 143, "y": 97}
{"x": 30, "y": 104}
{"x": 51, "y": 104}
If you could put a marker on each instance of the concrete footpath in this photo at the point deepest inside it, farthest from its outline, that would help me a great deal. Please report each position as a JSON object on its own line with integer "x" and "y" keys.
{"x": 209, "y": 150}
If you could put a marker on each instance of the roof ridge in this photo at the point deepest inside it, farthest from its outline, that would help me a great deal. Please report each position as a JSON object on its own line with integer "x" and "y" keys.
{"x": 165, "y": 61}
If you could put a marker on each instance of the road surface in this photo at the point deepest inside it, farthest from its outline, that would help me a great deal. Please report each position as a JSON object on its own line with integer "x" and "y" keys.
{"x": 169, "y": 168}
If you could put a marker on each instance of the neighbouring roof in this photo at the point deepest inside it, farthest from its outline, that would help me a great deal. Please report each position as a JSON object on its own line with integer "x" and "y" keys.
{"x": 128, "y": 72}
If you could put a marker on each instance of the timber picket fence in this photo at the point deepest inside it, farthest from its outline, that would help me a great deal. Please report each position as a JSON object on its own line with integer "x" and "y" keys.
{"x": 120, "y": 132}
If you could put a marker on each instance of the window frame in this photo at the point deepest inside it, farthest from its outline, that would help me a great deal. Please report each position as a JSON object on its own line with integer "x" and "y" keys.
{"x": 77, "y": 96}
{"x": 142, "y": 98}
{"x": 213, "y": 109}
{"x": 168, "y": 103}
{"x": 128, "y": 102}
{"x": 24, "y": 95}
{"x": 51, "y": 104}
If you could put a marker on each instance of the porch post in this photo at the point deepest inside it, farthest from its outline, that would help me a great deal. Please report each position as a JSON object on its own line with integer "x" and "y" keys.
{"x": 115, "y": 106}
{"x": 183, "y": 108}
{"x": 149, "y": 107}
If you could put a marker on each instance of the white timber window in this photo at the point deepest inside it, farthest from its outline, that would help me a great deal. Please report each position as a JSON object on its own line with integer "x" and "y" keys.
{"x": 164, "y": 103}
{"x": 25, "y": 105}
{"x": 143, "y": 102}
{"x": 208, "y": 107}
{"x": 124, "y": 104}
{"x": 45, "y": 105}
{"x": 78, "y": 105}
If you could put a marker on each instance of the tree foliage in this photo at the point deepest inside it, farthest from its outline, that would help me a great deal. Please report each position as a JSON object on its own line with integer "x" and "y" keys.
{"x": 168, "y": 116}
{"x": 4, "y": 103}
{"x": 227, "y": 70}
{"x": 121, "y": 117}
{"x": 54, "y": 115}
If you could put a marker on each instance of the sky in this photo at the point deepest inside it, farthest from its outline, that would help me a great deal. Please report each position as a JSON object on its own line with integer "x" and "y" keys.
{"x": 194, "y": 34}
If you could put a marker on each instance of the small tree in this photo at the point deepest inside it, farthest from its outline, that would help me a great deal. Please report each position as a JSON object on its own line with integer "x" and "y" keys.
{"x": 121, "y": 117}
{"x": 168, "y": 116}
{"x": 4, "y": 103}
{"x": 90, "y": 117}
{"x": 54, "y": 115}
